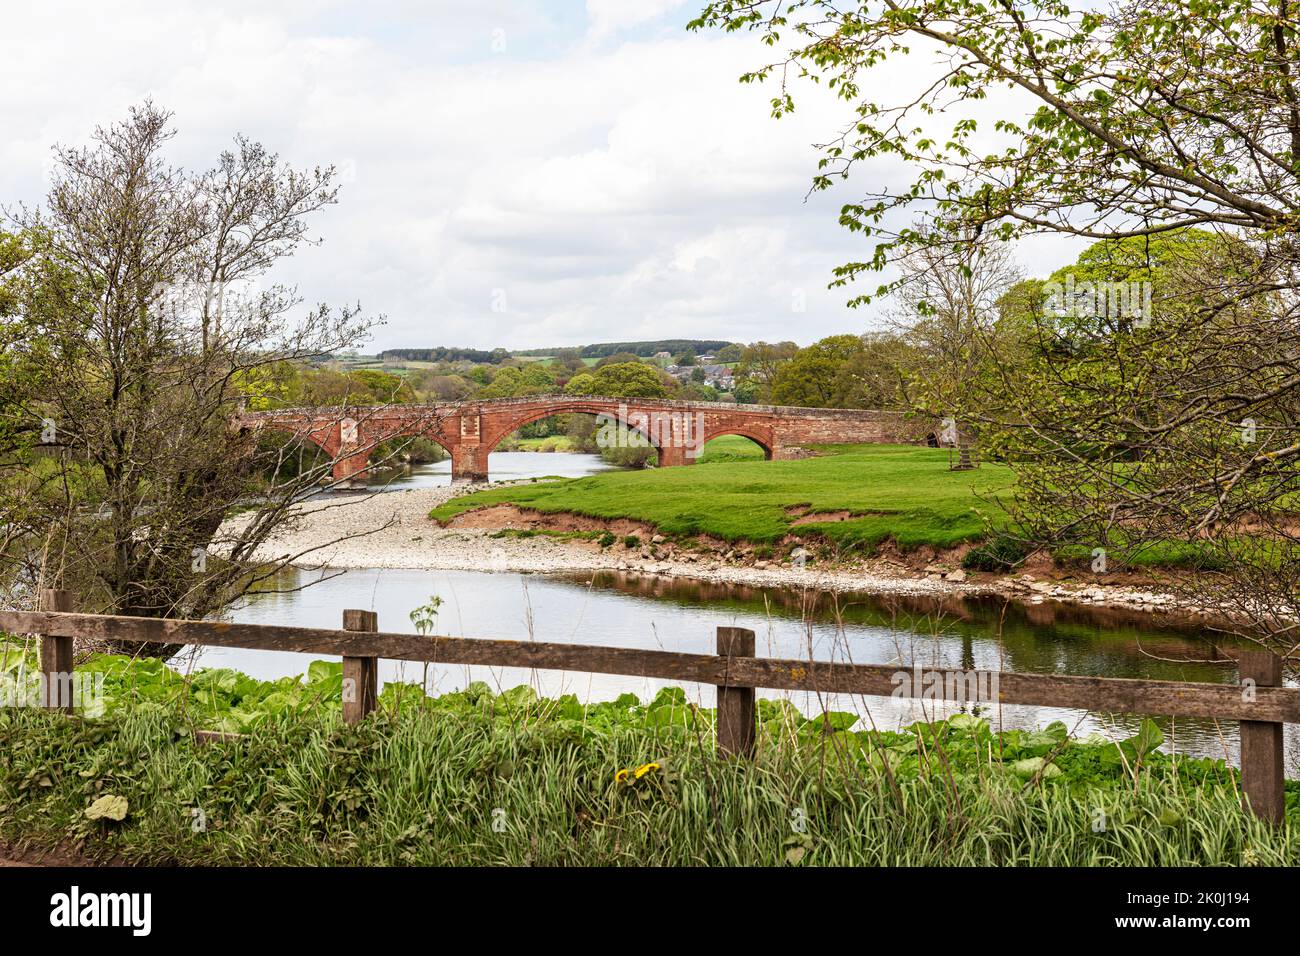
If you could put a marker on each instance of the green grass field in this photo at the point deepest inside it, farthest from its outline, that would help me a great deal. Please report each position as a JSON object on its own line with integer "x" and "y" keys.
{"x": 730, "y": 448}
{"x": 897, "y": 492}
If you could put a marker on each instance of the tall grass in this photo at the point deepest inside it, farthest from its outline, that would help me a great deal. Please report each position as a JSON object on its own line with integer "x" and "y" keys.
{"x": 424, "y": 786}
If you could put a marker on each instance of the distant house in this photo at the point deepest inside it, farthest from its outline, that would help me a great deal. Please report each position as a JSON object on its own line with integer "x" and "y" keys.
{"x": 719, "y": 376}
{"x": 664, "y": 358}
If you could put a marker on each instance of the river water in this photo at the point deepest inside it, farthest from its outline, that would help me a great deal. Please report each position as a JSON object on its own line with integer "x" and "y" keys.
{"x": 647, "y": 611}
{"x": 502, "y": 466}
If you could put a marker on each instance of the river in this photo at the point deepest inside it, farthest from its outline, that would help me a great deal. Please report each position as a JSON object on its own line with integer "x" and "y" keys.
{"x": 502, "y": 466}
{"x": 649, "y": 611}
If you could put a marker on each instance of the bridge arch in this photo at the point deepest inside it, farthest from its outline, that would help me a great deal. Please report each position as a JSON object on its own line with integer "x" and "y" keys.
{"x": 375, "y": 460}
{"x": 757, "y": 436}
{"x": 606, "y": 409}
{"x": 320, "y": 437}
{"x": 324, "y": 436}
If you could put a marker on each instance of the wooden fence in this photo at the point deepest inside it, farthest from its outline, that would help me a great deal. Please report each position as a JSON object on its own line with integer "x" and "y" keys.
{"x": 1258, "y": 701}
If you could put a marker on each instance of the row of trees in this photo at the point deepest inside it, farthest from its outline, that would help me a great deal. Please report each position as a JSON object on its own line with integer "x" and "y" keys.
{"x": 616, "y": 375}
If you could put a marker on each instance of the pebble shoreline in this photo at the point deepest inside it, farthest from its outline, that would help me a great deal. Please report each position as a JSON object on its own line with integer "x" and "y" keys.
{"x": 392, "y": 529}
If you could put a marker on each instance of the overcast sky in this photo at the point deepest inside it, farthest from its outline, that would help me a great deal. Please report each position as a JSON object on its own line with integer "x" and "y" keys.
{"x": 517, "y": 173}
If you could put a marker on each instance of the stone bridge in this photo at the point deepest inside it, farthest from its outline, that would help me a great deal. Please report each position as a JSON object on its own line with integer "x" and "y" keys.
{"x": 470, "y": 430}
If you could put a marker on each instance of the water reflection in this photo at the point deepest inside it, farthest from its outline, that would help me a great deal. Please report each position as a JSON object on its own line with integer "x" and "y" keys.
{"x": 670, "y": 614}
{"x": 502, "y": 466}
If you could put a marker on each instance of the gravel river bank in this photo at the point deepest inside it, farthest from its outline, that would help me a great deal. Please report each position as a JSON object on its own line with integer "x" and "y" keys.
{"x": 392, "y": 529}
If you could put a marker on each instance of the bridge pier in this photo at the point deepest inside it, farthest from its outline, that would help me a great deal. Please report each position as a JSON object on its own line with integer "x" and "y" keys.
{"x": 671, "y": 456}
{"x": 350, "y": 471}
{"x": 468, "y": 463}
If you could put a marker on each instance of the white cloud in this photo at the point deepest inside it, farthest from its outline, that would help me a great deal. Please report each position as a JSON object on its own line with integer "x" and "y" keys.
{"x": 609, "y": 17}
{"x": 605, "y": 168}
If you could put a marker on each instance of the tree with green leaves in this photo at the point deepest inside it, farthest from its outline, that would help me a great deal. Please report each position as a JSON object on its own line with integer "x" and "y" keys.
{"x": 814, "y": 377}
{"x": 758, "y": 367}
{"x": 876, "y": 376}
{"x": 511, "y": 382}
{"x": 136, "y": 313}
{"x": 622, "y": 380}
{"x": 730, "y": 354}
{"x": 1126, "y": 124}
{"x": 1133, "y": 120}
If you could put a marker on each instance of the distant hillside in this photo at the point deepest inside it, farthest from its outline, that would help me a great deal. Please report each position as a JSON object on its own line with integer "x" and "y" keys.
{"x": 443, "y": 354}
{"x": 644, "y": 349}
{"x": 600, "y": 350}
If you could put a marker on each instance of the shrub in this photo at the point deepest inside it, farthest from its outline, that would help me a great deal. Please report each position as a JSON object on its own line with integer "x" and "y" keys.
{"x": 1000, "y": 553}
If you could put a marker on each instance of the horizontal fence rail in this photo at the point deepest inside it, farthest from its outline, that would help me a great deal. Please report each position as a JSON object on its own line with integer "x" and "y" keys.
{"x": 1109, "y": 694}
{"x": 1258, "y": 702}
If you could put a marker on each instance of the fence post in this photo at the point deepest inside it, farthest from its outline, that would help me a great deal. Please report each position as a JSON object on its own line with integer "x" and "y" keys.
{"x": 360, "y": 674}
{"x": 56, "y": 656}
{"x": 1261, "y": 743}
{"x": 735, "y": 704}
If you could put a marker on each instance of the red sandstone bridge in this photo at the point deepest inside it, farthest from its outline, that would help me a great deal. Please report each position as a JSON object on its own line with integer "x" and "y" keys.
{"x": 470, "y": 430}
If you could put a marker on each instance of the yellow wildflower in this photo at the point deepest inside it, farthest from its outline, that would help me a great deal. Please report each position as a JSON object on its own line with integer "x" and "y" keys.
{"x": 644, "y": 769}
{"x": 620, "y": 776}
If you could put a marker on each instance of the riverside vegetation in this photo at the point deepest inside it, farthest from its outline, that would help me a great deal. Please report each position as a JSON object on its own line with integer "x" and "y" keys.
{"x": 477, "y": 777}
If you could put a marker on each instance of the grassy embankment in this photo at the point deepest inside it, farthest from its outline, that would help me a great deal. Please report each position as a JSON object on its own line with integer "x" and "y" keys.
{"x": 551, "y": 443}
{"x": 890, "y": 492}
{"x": 726, "y": 448}
{"x": 480, "y": 778}
{"x": 869, "y": 494}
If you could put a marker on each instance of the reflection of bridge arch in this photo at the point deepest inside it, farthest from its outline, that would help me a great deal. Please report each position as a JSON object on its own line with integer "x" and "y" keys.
{"x": 470, "y": 430}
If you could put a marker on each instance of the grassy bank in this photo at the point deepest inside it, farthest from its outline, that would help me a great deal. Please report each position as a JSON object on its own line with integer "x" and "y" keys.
{"x": 551, "y": 443}
{"x": 481, "y": 778}
{"x": 725, "y": 448}
{"x": 869, "y": 494}
{"x": 730, "y": 448}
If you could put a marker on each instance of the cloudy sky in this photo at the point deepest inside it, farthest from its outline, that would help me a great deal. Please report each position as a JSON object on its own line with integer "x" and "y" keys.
{"x": 517, "y": 173}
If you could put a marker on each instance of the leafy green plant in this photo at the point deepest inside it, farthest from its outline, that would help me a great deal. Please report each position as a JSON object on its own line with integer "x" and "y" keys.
{"x": 999, "y": 553}
{"x": 424, "y": 616}
{"x": 417, "y": 782}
